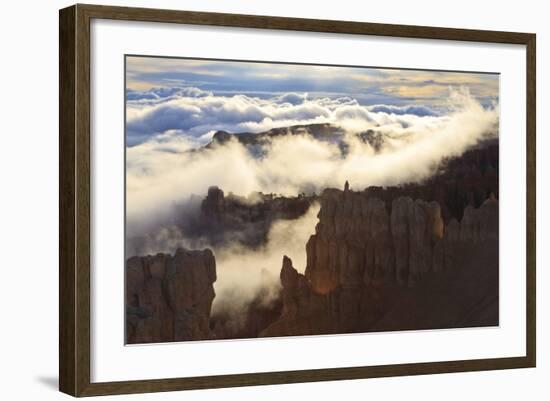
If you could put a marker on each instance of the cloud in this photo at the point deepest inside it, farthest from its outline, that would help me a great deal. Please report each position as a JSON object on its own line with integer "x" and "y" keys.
{"x": 292, "y": 98}
{"x": 161, "y": 170}
{"x": 195, "y": 113}
{"x": 419, "y": 110}
{"x": 242, "y": 271}
{"x": 163, "y": 94}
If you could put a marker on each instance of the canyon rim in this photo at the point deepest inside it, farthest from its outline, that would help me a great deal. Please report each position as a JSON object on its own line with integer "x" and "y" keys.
{"x": 273, "y": 199}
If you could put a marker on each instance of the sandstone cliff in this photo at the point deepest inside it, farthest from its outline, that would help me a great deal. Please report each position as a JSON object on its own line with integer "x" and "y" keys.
{"x": 169, "y": 298}
{"x": 377, "y": 266}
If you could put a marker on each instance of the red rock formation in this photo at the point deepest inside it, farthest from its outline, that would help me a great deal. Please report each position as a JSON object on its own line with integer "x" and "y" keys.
{"x": 304, "y": 311}
{"x": 362, "y": 261}
{"x": 168, "y": 298}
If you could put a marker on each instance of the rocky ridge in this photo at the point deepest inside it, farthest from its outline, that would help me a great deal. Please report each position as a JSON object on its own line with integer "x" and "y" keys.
{"x": 321, "y": 131}
{"x": 246, "y": 220}
{"x": 363, "y": 261}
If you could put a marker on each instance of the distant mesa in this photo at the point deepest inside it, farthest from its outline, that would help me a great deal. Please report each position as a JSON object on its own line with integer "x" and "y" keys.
{"x": 322, "y": 131}
{"x": 325, "y": 132}
{"x": 221, "y": 137}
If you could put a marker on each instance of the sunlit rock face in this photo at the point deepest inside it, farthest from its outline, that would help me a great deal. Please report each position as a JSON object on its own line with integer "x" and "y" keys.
{"x": 369, "y": 269}
{"x": 357, "y": 241}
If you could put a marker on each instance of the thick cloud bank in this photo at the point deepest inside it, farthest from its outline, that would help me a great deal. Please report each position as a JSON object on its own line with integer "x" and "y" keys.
{"x": 195, "y": 113}
{"x": 163, "y": 170}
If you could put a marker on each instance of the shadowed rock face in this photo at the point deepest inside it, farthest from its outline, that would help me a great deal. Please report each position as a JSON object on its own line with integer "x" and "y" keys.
{"x": 245, "y": 220}
{"x": 459, "y": 182}
{"x": 254, "y": 141}
{"x": 370, "y": 270}
{"x": 221, "y": 219}
{"x": 169, "y": 298}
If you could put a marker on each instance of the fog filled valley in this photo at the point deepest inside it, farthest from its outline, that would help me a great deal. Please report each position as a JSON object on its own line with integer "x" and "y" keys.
{"x": 290, "y": 215}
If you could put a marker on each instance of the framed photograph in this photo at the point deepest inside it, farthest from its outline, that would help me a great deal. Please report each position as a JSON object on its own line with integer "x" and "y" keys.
{"x": 251, "y": 200}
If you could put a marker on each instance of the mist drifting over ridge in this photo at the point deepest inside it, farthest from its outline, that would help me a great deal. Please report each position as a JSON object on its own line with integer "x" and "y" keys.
{"x": 162, "y": 170}
{"x": 229, "y": 159}
{"x": 170, "y": 166}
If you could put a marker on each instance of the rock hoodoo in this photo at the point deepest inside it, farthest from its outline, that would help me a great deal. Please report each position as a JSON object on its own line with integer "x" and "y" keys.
{"x": 169, "y": 298}
{"x": 370, "y": 266}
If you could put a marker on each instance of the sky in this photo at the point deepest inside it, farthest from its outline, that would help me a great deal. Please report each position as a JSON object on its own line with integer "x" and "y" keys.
{"x": 367, "y": 85}
{"x": 194, "y": 98}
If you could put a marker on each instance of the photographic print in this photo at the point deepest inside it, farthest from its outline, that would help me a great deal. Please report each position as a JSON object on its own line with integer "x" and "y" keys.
{"x": 268, "y": 199}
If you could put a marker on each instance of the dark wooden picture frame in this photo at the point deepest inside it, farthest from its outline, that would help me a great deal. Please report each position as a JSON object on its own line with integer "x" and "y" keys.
{"x": 74, "y": 199}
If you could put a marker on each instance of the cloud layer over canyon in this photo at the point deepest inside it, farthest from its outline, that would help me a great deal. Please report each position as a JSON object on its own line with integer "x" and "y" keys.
{"x": 174, "y": 107}
{"x": 162, "y": 169}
